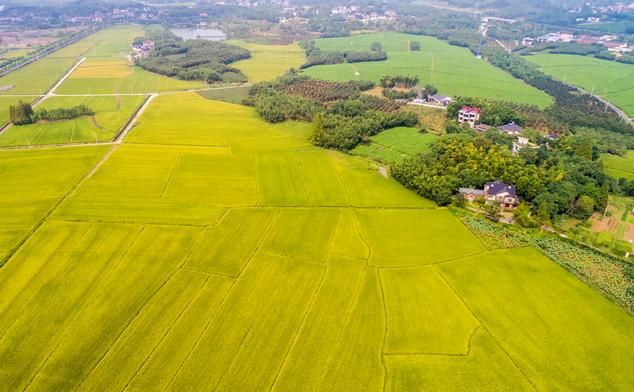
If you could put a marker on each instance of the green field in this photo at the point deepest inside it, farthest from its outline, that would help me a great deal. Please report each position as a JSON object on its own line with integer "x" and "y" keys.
{"x": 268, "y": 61}
{"x": 395, "y": 144}
{"x": 608, "y": 79}
{"x": 619, "y": 167}
{"x": 213, "y": 251}
{"x": 618, "y": 27}
{"x": 455, "y": 71}
{"x": 111, "y": 114}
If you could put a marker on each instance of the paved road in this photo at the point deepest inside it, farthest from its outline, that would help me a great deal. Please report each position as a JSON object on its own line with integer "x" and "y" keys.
{"x": 132, "y": 122}
{"x": 609, "y": 104}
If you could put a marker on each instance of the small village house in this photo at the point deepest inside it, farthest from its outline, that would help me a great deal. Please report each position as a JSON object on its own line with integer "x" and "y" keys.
{"x": 493, "y": 192}
{"x": 522, "y": 142}
{"x": 471, "y": 194}
{"x": 469, "y": 114}
{"x": 440, "y": 100}
{"x": 511, "y": 129}
{"x": 501, "y": 193}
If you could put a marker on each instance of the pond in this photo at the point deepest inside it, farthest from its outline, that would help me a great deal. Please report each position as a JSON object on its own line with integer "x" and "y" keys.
{"x": 206, "y": 34}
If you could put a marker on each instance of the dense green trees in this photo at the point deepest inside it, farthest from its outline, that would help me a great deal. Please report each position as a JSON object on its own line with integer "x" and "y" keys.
{"x": 192, "y": 59}
{"x": 553, "y": 181}
{"x": 341, "y": 120}
{"x": 21, "y": 113}
{"x": 414, "y": 46}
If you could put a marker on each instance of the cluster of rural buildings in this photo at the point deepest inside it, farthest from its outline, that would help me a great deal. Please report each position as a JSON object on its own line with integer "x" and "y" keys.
{"x": 141, "y": 50}
{"x": 609, "y": 41}
{"x": 471, "y": 116}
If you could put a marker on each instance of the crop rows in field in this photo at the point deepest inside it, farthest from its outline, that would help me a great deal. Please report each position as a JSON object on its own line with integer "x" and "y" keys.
{"x": 237, "y": 257}
{"x": 322, "y": 90}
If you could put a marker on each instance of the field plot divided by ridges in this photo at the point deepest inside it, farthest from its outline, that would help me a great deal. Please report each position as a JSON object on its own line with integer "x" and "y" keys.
{"x": 569, "y": 313}
{"x": 356, "y": 364}
{"x": 168, "y": 356}
{"x": 302, "y": 233}
{"x": 454, "y": 70}
{"x": 321, "y": 182}
{"x": 280, "y": 180}
{"x": 395, "y": 144}
{"x": 423, "y": 314}
{"x": 402, "y": 238}
{"x": 227, "y": 247}
{"x": 29, "y": 190}
{"x": 347, "y": 240}
{"x": 486, "y": 367}
{"x": 114, "y": 305}
{"x": 317, "y": 341}
{"x": 51, "y": 292}
{"x": 144, "y": 333}
{"x": 249, "y": 336}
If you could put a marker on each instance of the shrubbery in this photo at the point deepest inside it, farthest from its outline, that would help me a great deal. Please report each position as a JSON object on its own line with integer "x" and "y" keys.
{"x": 342, "y": 116}
{"x": 23, "y": 113}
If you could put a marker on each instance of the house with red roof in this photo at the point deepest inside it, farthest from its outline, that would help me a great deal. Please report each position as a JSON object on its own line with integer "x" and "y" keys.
{"x": 469, "y": 114}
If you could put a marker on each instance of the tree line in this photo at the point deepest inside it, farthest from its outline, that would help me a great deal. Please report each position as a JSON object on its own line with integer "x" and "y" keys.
{"x": 22, "y": 113}
{"x": 316, "y": 56}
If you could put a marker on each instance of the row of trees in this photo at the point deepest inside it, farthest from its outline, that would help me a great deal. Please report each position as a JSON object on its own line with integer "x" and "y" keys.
{"x": 398, "y": 81}
{"x": 316, "y": 56}
{"x": 22, "y": 113}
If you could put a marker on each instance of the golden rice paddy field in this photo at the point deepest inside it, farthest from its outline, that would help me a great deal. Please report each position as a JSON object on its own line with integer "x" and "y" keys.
{"x": 214, "y": 251}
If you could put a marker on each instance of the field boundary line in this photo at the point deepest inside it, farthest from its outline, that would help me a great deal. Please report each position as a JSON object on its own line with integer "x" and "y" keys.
{"x": 169, "y": 178}
{"x": 347, "y": 318}
{"x": 365, "y": 241}
{"x": 346, "y": 191}
{"x": 442, "y": 276}
{"x": 54, "y": 207}
{"x": 422, "y": 353}
{"x": 301, "y": 175}
{"x": 132, "y": 121}
{"x": 300, "y": 327}
{"x": 449, "y": 260}
{"x": 224, "y": 298}
{"x": 385, "y": 327}
{"x": 83, "y": 304}
{"x": 31, "y": 295}
{"x": 139, "y": 311}
{"x": 171, "y": 327}
{"x": 136, "y": 315}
